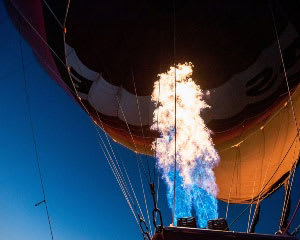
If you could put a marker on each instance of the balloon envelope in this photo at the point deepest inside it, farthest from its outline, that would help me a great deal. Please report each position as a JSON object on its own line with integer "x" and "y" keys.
{"x": 111, "y": 52}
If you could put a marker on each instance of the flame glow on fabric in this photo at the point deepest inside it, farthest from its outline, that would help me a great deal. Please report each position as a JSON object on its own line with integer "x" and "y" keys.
{"x": 196, "y": 156}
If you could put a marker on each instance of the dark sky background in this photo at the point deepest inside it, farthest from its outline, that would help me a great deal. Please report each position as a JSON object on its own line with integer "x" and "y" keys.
{"x": 84, "y": 199}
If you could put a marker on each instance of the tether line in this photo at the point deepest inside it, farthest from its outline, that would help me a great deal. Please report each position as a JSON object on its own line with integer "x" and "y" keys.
{"x": 175, "y": 124}
{"x": 37, "y": 159}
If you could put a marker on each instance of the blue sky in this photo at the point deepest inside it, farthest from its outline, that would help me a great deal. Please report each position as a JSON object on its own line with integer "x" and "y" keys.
{"x": 84, "y": 199}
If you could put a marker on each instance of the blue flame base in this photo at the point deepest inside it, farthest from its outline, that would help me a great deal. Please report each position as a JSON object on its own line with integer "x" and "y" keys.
{"x": 191, "y": 201}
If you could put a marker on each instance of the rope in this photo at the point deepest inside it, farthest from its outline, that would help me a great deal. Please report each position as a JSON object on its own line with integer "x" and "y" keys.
{"x": 229, "y": 195}
{"x": 269, "y": 163}
{"x": 295, "y": 232}
{"x": 139, "y": 160}
{"x": 293, "y": 217}
{"x": 53, "y": 14}
{"x": 149, "y": 174}
{"x": 115, "y": 168}
{"x": 66, "y": 15}
{"x": 132, "y": 189}
{"x": 157, "y": 189}
{"x": 157, "y": 125}
{"x": 157, "y": 129}
{"x": 140, "y": 119}
{"x": 37, "y": 159}
{"x": 43, "y": 40}
{"x": 55, "y": 52}
{"x": 266, "y": 183}
{"x": 74, "y": 88}
{"x": 148, "y": 168}
{"x": 287, "y": 193}
{"x": 145, "y": 200}
{"x": 154, "y": 167}
{"x": 284, "y": 70}
{"x": 257, "y": 207}
{"x": 267, "y": 167}
{"x": 255, "y": 218}
{"x": 115, "y": 174}
{"x": 131, "y": 136}
{"x": 290, "y": 100}
{"x": 175, "y": 125}
{"x": 292, "y": 106}
{"x": 249, "y": 217}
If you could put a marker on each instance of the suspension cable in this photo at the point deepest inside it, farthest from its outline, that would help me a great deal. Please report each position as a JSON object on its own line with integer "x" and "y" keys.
{"x": 266, "y": 182}
{"x": 175, "y": 124}
{"x": 56, "y": 55}
{"x": 293, "y": 217}
{"x": 156, "y": 211}
{"x": 66, "y": 15}
{"x": 112, "y": 160}
{"x": 229, "y": 194}
{"x": 250, "y": 211}
{"x": 115, "y": 167}
{"x": 132, "y": 189}
{"x": 255, "y": 218}
{"x": 157, "y": 122}
{"x": 143, "y": 136}
{"x": 39, "y": 35}
{"x": 131, "y": 136}
{"x": 288, "y": 190}
{"x": 144, "y": 228}
{"x": 296, "y": 230}
{"x": 284, "y": 70}
{"x": 115, "y": 173}
{"x": 139, "y": 160}
{"x": 140, "y": 119}
{"x": 148, "y": 168}
{"x": 155, "y": 150}
{"x": 251, "y": 226}
{"x": 157, "y": 189}
{"x": 291, "y": 102}
{"x": 145, "y": 199}
{"x": 37, "y": 159}
{"x": 53, "y": 14}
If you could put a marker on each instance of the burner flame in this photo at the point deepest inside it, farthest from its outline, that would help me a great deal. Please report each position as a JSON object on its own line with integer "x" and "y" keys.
{"x": 196, "y": 157}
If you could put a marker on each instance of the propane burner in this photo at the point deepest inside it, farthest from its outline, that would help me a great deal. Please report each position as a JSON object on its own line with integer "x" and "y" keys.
{"x": 218, "y": 224}
{"x": 189, "y": 222}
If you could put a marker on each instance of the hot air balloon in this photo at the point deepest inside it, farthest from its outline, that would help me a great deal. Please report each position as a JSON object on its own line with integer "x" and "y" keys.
{"x": 107, "y": 56}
